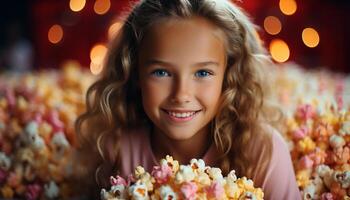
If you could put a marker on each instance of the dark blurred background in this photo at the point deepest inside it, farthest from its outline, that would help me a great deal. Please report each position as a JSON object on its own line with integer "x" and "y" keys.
{"x": 40, "y": 34}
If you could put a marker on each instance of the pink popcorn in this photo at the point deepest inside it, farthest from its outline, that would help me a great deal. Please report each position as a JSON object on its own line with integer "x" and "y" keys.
{"x": 319, "y": 156}
{"x": 3, "y": 176}
{"x": 305, "y": 162}
{"x": 38, "y": 117}
{"x": 300, "y": 133}
{"x": 131, "y": 179}
{"x": 10, "y": 97}
{"x": 33, "y": 192}
{"x": 117, "y": 181}
{"x": 215, "y": 190}
{"x": 189, "y": 190}
{"x": 161, "y": 173}
{"x": 14, "y": 179}
{"x": 53, "y": 119}
{"x": 305, "y": 112}
{"x": 327, "y": 196}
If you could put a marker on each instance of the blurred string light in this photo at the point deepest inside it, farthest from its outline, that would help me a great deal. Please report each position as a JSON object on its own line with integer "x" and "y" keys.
{"x": 288, "y": 7}
{"x": 102, "y": 6}
{"x": 55, "y": 34}
{"x": 97, "y": 55}
{"x": 272, "y": 25}
{"x": 114, "y": 29}
{"x": 77, "y": 5}
{"x": 310, "y": 37}
{"x": 279, "y": 50}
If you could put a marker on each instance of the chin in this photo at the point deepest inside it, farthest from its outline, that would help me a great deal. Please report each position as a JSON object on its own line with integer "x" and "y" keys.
{"x": 179, "y": 135}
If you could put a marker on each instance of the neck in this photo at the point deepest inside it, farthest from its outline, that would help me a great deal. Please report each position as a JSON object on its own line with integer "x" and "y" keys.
{"x": 181, "y": 150}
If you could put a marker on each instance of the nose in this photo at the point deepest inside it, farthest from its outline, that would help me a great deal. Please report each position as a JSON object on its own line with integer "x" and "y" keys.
{"x": 181, "y": 92}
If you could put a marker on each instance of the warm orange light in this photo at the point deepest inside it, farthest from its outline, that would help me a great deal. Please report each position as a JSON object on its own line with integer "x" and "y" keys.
{"x": 272, "y": 25}
{"x": 95, "y": 68}
{"x": 310, "y": 37}
{"x": 279, "y": 50}
{"x": 288, "y": 7}
{"x": 55, "y": 34}
{"x": 102, "y": 6}
{"x": 76, "y": 5}
{"x": 113, "y": 29}
{"x": 98, "y": 53}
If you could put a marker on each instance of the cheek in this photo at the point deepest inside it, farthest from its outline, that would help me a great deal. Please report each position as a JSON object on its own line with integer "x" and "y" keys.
{"x": 153, "y": 94}
{"x": 210, "y": 95}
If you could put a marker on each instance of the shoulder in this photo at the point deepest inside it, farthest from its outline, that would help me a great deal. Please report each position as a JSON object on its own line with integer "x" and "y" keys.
{"x": 135, "y": 150}
{"x": 278, "y": 181}
{"x": 134, "y": 141}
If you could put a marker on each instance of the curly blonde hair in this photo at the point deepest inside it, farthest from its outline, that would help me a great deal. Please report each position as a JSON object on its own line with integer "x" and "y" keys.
{"x": 114, "y": 103}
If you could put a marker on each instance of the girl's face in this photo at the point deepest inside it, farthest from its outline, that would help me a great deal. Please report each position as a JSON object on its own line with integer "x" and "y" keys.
{"x": 181, "y": 68}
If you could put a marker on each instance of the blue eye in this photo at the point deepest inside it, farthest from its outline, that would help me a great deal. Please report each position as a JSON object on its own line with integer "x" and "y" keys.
{"x": 202, "y": 73}
{"x": 160, "y": 73}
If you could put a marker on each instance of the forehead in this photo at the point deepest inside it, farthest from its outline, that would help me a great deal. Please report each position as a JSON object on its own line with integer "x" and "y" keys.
{"x": 185, "y": 40}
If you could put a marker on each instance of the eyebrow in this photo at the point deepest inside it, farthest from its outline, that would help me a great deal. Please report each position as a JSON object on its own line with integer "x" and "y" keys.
{"x": 164, "y": 63}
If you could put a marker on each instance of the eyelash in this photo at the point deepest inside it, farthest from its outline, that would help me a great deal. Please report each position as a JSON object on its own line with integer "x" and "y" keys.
{"x": 157, "y": 71}
{"x": 154, "y": 72}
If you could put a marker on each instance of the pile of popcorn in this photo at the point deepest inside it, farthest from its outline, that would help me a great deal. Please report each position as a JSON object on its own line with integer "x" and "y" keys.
{"x": 293, "y": 85}
{"x": 173, "y": 181}
{"x": 320, "y": 150}
{"x": 37, "y": 114}
{"x": 317, "y": 107}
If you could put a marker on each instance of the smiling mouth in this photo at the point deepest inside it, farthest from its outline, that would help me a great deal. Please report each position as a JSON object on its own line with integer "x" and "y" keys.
{"x": 181, "y": 114}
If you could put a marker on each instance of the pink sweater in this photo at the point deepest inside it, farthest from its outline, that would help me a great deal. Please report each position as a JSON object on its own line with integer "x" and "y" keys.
{"x": 277, "y": 183}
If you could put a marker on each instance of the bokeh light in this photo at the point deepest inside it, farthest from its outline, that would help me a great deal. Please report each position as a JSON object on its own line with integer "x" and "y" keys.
{"x": 114, "y": 29}
{"x": 55, "y": 34}
{"x": 102, "y": 6}
{"x": 310, "y": 37}
{"x": 279, "y": 50}
{"x": 288, "y": 7}
{"x": 77, "y": 5}
{"x": 97, "y": 55}
{"x": 272, "y": 25}
{"x": 95, "y": 69}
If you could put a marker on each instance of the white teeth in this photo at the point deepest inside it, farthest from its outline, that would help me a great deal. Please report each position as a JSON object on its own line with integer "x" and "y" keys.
{"x": 182, "y": 115}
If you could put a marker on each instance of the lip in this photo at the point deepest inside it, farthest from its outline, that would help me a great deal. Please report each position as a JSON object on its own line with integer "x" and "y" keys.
{"x": 176, "y": 119}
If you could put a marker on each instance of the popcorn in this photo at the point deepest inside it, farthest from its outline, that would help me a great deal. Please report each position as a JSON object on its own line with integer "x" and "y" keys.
{"x": 33, "y": 191}
{"x": 345, "y": 128}
{"x": 5, "y": 162}
{"x": 185, "y": 174}
{"x": 173, "y": 181}
{"x": 51, "y": 190}
{"x": 189, "y": 190}
{"x": 138, "y": 191}
{"x": 336, "y": 141}
{"x": 215, "y": 190}
{"x": 37, "y": 114}
{"x": 197, "y": 165}
{"x": 166, "y": 192}
{"x": 162, "y": 173}
{"x": 174, "y": 164}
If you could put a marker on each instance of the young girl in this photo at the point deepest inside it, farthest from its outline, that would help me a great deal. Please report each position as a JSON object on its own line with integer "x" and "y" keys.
{"x": 184, "y": 78}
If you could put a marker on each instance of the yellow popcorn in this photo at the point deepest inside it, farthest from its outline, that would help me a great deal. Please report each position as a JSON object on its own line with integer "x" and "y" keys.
{"x": 232, "y": 190}
{"x": 306, "y": 145}
{"x": 7, "y": 192}
{"x": 144, "y": 177}
{"x": 202, "y": 178}
{"x": 303, "y": 178}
